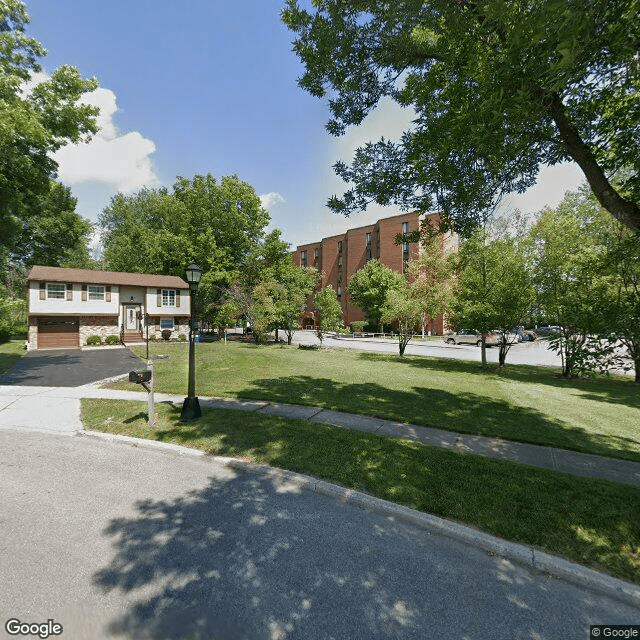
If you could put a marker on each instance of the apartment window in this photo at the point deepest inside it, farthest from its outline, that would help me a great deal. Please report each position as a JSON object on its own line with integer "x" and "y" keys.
{"x": 166, "y": 323}
{"x": 168, "y": 298}
{"x": 316, "y": 258}
{"x": 405, "y": 231}
{"x": 340, "y": 275}
{"x": 339, "y": 292}
{"x": 368, "y": 246}
{"x": 340, "y": 261}
{"x": 339, "y": 246}
{"x": 95, "y": 291}
{"x": 303, "y": 258}
{"x": 56, "y": 291}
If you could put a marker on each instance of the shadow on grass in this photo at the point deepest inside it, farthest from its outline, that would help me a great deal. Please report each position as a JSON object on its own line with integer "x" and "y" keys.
{"x": 600, "y": 388}
{"x": 464, "y": 412}
{"x": 244, "y": 557}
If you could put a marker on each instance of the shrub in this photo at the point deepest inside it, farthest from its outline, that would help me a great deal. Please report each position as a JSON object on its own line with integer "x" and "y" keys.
{"x": 357, "y": 325}
{"x": 94, "y": 340}
{"x": 5, "y": 331}
{"x": 112, "y": 340}
{"x": 182, "y": 337}
{"x": 166, "y": 334}
{"x": 153, "y": 338}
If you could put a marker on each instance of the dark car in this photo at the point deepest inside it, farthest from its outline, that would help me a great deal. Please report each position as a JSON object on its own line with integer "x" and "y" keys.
{"x": 546, "y": 330}
{"x": 523, "y": 334}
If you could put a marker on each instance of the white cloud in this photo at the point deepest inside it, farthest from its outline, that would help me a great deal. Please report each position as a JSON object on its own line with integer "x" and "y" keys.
{"x": 122, "y": 161}
{"x": 268, "y": 200}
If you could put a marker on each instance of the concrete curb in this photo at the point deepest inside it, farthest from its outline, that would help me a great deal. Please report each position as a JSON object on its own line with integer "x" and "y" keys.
{"x": 531, "y": 557}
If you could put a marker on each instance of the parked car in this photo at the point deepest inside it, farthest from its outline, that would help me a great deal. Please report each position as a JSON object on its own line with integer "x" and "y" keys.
{"x": 471, "y": 336}
{"x": 523, "y": 334}
{"x": 546, "y": 330}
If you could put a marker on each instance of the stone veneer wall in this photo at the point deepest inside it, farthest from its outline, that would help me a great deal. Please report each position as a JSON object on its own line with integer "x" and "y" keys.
{"x": 180, "y": 325}
{"x": 97, "y": 326}
{"x": 32, "y": 335}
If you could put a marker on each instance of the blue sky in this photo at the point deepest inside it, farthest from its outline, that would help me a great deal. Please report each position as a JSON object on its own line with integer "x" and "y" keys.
{"x": 209, "y": 86}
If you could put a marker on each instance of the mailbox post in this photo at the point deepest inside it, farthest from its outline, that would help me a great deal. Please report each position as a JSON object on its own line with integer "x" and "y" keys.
{"x": 145, "y": 379}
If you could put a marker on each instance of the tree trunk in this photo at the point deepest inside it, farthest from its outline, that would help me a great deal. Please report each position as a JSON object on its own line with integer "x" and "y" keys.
{"x": 625, "y": 211}
{"x": 483, "y": 352}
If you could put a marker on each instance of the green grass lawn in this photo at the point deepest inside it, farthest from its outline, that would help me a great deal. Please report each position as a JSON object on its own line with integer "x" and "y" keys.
{"x": 594, "y": 522}
{"x": 10, "y": 353}
{"x": 521, "y": 403}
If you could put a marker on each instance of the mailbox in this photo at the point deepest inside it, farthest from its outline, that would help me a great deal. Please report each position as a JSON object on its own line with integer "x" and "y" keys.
{"x": 139, "y": 376}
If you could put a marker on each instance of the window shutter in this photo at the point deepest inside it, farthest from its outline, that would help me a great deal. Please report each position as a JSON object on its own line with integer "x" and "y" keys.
{"x": 43, "y": 291}
{"x": 159, "y": 301}
{"x": 178, "y": 298}
{"x": 84, "y": 293}
{"x": 107, "y": 293}
{"x": 69, "y": 291}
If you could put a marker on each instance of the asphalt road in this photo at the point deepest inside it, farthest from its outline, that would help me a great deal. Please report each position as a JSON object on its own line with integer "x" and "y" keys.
{"x": 113, "y": 541}
{"x": 533, "y": 353}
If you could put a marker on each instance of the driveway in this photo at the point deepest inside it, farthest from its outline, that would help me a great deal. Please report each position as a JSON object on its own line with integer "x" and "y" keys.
{"x": 70, "y": 367}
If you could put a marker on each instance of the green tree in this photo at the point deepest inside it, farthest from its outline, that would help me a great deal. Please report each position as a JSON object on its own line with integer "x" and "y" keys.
{"x": 53, "y": 233}
{"x": 216, "y": 225}
{"x": 405, "y": 308}
{"x": 622, "y": 306}
{"x": 294, "y": 286}
{"x": 432, "y": 276}
{"x": 329, "y": 311}
{"x": 33, "y": 125}
{"x": 368, "y": 289}
{"x": 498, "y": 88}
{"x": 566, "y": 259}
{"x": 493, "y": 291}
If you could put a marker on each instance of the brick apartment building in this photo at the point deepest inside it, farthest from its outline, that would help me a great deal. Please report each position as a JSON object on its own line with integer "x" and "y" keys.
{"x": 337, "y": 258}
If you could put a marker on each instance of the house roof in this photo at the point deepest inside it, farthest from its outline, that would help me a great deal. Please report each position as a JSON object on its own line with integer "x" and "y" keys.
{"x": 61, "y": 274}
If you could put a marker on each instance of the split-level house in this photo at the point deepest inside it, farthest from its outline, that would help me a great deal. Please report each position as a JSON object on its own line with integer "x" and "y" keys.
{"x": 66, "y": 306}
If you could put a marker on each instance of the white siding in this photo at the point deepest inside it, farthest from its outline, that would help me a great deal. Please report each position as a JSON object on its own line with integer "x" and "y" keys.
{"x": 76, "y": 306}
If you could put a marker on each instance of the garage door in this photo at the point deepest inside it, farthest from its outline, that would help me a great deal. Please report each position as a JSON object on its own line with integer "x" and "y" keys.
{"x": 58, "y": 333}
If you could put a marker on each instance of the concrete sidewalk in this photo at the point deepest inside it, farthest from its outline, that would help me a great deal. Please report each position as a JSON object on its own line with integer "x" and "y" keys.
{"x": 57, "y": 409}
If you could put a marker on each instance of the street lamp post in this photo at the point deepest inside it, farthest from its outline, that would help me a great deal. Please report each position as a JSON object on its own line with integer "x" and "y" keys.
{"x": 191, "y": 406}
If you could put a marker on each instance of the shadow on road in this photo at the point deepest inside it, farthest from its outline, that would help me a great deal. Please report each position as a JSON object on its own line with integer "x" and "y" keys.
{"x": 255, "y": 559}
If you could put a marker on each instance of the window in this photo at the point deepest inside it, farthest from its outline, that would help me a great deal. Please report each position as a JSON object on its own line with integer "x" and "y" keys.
{"x": 303, "y": 258}
{"x": 405, "y": 231}
{"x": 369, "y": 246}
{"x": 339, "y": 246}
{"x": 166, "y": 323}
{"x": 169, "y": 298}
{"x": 340, "y": 261}
{"x": 56, "y": 291}
{"x": 95, "y": 291}
{"x": 340, "y": 275}
{"x": 316, "y": 258}
{"x": 339, "y": 292}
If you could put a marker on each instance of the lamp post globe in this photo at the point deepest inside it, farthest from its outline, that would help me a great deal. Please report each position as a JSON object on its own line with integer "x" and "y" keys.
{"x": 191, "y": 405}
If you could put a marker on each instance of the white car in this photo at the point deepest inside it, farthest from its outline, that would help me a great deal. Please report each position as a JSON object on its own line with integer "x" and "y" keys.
{"x": 471, "y": 336}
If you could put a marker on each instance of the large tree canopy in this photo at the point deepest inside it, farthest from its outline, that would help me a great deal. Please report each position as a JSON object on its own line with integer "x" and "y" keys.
{"x": 33, "y": 123}
{"x": 218, "y": 225}
{"x": 498, "y": 88}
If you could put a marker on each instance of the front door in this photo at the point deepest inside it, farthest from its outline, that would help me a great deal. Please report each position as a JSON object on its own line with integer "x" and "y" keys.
{"x": 132, "y": 313}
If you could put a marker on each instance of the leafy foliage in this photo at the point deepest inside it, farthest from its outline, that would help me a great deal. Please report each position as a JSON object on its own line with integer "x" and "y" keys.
{"x": 329, "y": 311}
{"x": 34, "y": 123}
{"x": 497, "y": 89}
{"x": 369, "y": 287}
{"x": 493, "y": 290}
